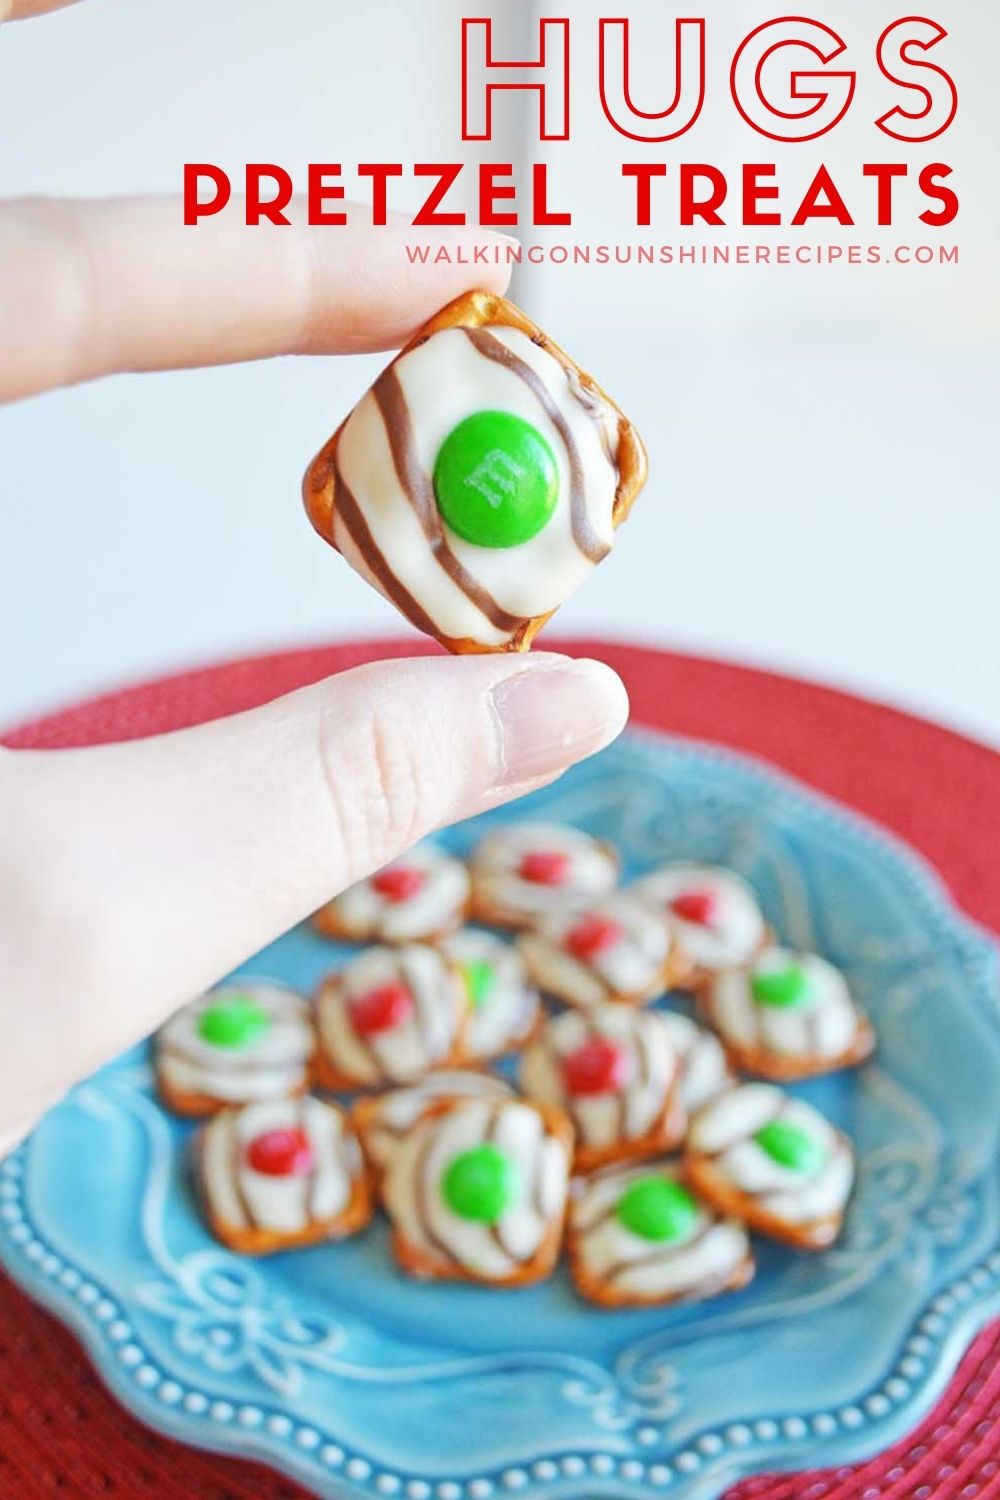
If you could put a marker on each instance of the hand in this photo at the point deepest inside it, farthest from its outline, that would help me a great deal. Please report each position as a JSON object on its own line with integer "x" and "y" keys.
{"x": 133, "y": 876}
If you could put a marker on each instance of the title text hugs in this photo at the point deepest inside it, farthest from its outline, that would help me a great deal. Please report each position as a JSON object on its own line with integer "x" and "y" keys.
{"x": 791, "y": 80}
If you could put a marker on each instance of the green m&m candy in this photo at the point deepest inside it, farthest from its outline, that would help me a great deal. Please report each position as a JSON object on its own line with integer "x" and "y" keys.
{"x": 657, "y": 1208}
{"x": 780, "y": 988}
{"x": 235, "y": 1021}
{"x": 479, "y": 976}
{"x": 496, "y": 479}
{"x": 481, "y": 1183}
{"x": 791, "y": 1146}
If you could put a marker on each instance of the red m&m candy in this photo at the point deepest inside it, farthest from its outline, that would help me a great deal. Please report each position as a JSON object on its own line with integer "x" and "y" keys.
{"x": 399, "y": 882}
{"x": 285, "y": 1152}
{"x": 591, "y": 936}
{"x": 598, "y": 1066}
{"x": 382, "y": 1009}
{"x": 545, "y": 867}
{"x": 696, "y": 906}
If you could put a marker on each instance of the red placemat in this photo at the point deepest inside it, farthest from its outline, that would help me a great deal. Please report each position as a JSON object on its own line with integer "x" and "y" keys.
{"x": 60, "y": 1432}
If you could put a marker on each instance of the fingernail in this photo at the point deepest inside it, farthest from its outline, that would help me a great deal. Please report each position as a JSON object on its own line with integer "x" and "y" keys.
{"x": 553, "y": 714}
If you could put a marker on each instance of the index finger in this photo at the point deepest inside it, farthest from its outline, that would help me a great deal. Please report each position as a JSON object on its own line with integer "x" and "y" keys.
{"x": 88, "y": 288}
{"x": 21, "y": 10}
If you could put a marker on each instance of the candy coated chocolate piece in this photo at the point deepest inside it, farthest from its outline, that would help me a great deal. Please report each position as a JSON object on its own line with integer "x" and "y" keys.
{"x": 700, "y": 907}
{"x": 479, "y": 977}
{"x": 285, "y": 1152}
{"x": 481, "y": 1183}
{"x": 596, "y": 1067}
{"x": 399, "y": 882}
{"x": 382, "y": 1009}
{"x": 782, "y": 988}
{"x": 237, "y": 1021}
{"x": 592, "y": 936}
{"x": 545, "y": 867}
{"x": 657, "y": 1208}
{"x": 496, "y": 480}
{"x": 791, "y": 1146}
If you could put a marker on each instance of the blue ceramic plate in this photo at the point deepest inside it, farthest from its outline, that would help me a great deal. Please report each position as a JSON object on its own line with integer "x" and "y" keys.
{"x": 330, "y": 1366}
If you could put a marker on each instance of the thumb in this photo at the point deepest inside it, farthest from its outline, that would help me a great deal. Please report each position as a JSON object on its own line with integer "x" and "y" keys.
{"x": 134, "y": 875}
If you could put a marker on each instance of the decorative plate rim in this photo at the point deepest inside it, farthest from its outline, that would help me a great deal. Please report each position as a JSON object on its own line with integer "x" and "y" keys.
{"x": 709, "y": 1460}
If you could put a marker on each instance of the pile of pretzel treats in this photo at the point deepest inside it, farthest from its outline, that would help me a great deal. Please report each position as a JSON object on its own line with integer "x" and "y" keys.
{"x": 649, "y": 1138}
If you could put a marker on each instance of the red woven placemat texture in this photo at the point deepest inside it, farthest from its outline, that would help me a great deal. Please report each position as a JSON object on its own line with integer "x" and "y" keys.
{"x": 61, "y": 1434}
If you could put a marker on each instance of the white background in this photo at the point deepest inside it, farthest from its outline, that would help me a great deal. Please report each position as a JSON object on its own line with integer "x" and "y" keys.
{"x": 824, "y": 492}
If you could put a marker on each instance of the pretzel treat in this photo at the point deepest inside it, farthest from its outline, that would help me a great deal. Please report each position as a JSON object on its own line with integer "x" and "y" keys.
{"x": 613, "y": 949}
{"x": 528, "y": 871}
{"x": 712, "y": 913}
{"x": 639, "y": 1237}
{"x": 245, "y": 1040}
{"x": 787, "y": 1016}
{"x": 613, "y": 1069}
{"x": 420, "y": 897}
{"x": 389, "y": 1017}
{"x": 281, "y": 1174}
{"x": 480, "y": 480}
{"x": 774, "y": 1162}
{"x": 476, "y": 1191}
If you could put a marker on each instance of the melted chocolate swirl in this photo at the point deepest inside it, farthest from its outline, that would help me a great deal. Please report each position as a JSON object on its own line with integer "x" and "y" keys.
{"x": 417, "y": 487}
{"x": 589, "y": 543}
